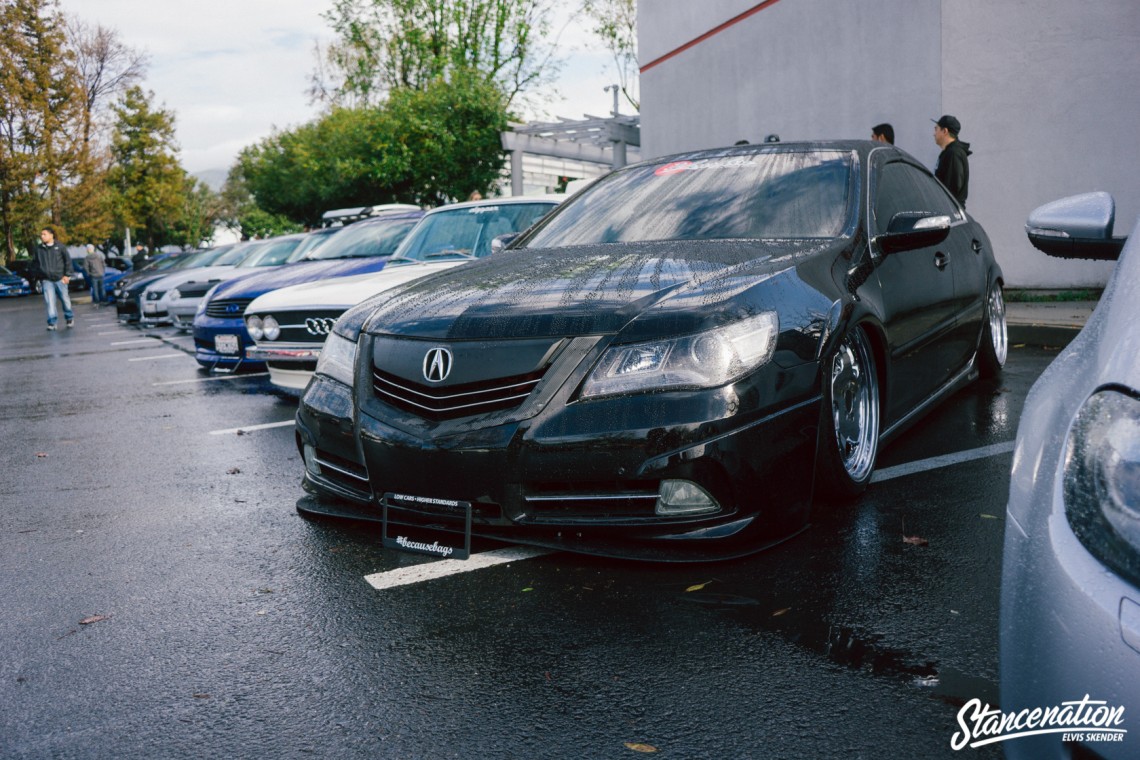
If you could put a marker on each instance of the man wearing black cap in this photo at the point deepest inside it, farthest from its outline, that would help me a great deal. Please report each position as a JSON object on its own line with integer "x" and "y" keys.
{"x": 953, "y": 163}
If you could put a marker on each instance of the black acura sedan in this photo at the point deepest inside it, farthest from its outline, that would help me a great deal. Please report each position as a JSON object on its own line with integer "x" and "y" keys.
{"x": 673, "y": 365}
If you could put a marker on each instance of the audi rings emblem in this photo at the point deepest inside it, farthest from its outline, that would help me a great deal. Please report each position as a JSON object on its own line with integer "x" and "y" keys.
{"x": 319, "y": 325}
{"x": 437, "y": 364}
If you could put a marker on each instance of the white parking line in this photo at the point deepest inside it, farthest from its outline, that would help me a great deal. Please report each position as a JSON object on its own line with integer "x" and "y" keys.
{"x": 160, "y": 356}
{"x": 132, "y": 342}
{"x": 111, "y": 332}
{"x": 430, "y": 571}
{"x": 923, "y": 465}
{"x": 248, "y": 428}
{"x": 212, "y": 379}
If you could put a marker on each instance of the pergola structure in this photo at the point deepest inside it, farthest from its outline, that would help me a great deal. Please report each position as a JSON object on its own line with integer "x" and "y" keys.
{"x": 592, "y": 140}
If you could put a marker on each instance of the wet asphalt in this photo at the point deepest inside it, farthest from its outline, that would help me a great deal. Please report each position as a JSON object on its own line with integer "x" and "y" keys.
{"x": 225, "y": 624}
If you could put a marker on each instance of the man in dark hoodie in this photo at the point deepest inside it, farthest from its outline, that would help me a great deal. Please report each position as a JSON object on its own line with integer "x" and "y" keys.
{"x": 54, "y": 264}
{"x": 953, "y": 163}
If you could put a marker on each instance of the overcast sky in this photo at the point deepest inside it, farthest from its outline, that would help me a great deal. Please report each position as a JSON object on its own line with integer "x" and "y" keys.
{"x": 231, "y": 70}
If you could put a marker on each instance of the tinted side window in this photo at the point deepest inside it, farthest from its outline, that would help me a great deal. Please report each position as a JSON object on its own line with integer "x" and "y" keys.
{"x": 902, "y": 187}
{"x": 894, "y": 192}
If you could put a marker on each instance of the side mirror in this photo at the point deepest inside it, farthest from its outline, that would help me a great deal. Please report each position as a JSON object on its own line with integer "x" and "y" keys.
{"x": 500, "y": 242}
{"x": 1077, "y": 227}
{"x": 908, "y": 230}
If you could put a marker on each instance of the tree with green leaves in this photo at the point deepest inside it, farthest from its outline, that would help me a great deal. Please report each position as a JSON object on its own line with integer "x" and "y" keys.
{"x": 615, "y": 24}
{"x": 386, "y": 45}
{"x": 40, "y": 105}
{"x": 422, "y": 146}
{"x": 147, "y": 179}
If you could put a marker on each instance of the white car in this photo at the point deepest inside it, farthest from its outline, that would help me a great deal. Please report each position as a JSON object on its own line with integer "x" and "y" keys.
{"x": 290, "y": 325}
{"x": 174, "y": 298}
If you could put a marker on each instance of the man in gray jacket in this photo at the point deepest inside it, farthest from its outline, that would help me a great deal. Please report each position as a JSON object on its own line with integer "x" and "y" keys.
{"x": 54, "y": 264}
{"x": 96, "y": 267}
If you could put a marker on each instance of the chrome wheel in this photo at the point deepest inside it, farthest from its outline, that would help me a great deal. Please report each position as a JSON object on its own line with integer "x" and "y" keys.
{"x": 999, "y": 335}
{"x": 855, "y": 407}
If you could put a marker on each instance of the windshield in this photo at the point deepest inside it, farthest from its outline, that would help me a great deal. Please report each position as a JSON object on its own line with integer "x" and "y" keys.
{"x": 271, "y": 253}
{"x": 466, "y": 232}
{"x": 771, "y": 195}
{"x": 364, "y": 239}
{"x": 310, "y": 243}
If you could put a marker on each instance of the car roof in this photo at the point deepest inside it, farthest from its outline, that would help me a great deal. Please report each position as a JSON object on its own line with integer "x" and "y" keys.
{"x": 552, "y": 198}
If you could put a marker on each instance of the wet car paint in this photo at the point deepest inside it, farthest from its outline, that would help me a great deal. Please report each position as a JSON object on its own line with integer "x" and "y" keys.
{"x": 925, "y": 323}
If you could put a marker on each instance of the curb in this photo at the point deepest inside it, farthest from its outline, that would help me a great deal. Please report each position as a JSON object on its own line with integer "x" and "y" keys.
{"x": 1043, "y": 336}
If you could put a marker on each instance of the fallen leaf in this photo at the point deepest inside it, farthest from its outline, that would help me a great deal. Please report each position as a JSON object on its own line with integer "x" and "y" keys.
{"x": 697, "y": 587}
{"x": 916, "y": 540}
{"x": 233, "y": 471}
{"x": 93, "y": 619}
{"x": 201, "y": 695}
{"x": 1018, "y": 345}
{"x": 528, "y": 588}
{"x": 784, "y": 611}
{"x": 639, "y": 747}
{"x": 548, "y": 676}
{"x": 41, "y": 454}
{"x": 239, "y": 501}
{"x": 989, "y": 517}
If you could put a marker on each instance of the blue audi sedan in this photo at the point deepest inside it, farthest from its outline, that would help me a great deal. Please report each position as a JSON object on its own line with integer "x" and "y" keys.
{"x": 220, "y": 337}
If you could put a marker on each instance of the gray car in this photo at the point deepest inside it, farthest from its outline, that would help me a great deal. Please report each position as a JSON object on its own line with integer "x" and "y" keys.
{"x": 1070, "y": 593}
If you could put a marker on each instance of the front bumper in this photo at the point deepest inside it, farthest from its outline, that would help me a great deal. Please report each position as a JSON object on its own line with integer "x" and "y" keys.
{"x": 290, "y": 366}
{"x": 584, "y": 479}
{"x": 214, "y": 347}
{"x": 1069, "y": 625}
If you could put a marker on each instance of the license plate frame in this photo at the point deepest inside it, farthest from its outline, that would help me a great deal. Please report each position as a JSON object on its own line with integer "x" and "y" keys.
{"x": 227, "y": 344}
{"x": 431, "y": 540}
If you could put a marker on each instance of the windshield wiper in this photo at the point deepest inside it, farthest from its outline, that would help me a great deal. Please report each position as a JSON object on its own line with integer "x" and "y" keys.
{"x": 441, "y": 254}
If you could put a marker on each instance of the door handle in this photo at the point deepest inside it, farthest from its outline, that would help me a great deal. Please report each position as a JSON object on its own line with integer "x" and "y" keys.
{"x": 941, "y": 260}
{"x": 977, "y": 246}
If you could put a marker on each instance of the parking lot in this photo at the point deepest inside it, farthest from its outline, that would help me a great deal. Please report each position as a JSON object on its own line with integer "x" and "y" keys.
{"x": 163, "y": 597}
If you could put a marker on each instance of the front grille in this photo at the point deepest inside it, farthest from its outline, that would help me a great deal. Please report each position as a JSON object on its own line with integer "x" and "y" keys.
{"x": 562, "y": 503}
{"x": 227, "y": 308}
{"x": 349, "y": 475}
{"x": 310, "y": 326}
{"x": 496, "y": 395}
{"x": 196, "y": 289}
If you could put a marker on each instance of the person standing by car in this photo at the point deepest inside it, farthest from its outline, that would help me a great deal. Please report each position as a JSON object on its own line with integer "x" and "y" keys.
{"x": 54, "y": 264}
{"x": 953, "y": 167}
{"x": 96, "y": 268}
{"x": 883, "y": 133}
{"x": 140, "y": 256}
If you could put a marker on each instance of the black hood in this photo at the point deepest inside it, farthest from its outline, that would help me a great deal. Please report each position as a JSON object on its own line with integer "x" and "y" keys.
{"x": 647, "y": 289}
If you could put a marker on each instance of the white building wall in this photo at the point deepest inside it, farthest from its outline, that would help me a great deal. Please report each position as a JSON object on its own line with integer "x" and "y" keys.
{"x": 1045, "y": 90}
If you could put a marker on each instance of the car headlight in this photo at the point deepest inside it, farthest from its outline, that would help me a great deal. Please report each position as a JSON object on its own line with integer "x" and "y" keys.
{"x": 705, "y": 360}
{"x": 338, "y": 355}
{"x": 253, "y": 326}
{"x": 1102, "y": 480}
{"x": 271, "y": 328}
{"x": 24, "y": 283}
{"x": 175, "y": 295}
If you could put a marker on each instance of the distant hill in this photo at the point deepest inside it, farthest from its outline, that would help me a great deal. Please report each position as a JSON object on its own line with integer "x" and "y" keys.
{"x": 214, "y": 178}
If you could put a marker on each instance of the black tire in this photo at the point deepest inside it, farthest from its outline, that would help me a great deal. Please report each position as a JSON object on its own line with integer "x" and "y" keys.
{"x": 849, "y": 424}
{"x": 994, "y": 347}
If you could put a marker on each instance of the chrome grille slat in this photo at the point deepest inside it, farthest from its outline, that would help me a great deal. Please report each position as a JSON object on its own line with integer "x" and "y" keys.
{"x": 498, "y": 394}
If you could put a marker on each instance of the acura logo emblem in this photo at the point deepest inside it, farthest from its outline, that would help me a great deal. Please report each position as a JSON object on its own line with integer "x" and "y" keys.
{"x": 232, "y": 308}
{"x": 437, "y": 365}
{"x": 319, "y": 325}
